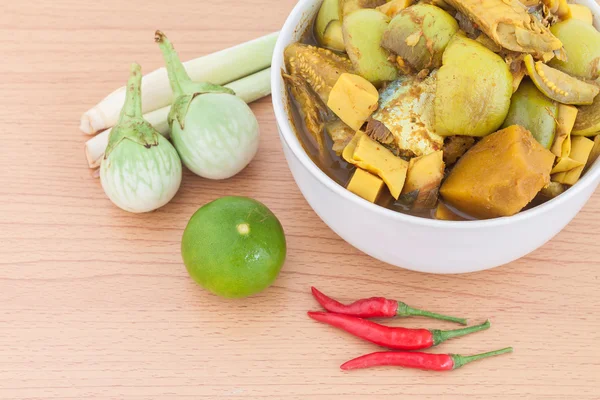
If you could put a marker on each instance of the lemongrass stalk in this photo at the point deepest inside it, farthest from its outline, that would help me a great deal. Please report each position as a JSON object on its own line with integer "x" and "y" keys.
{"x": 253, "y": 87}
{"x": 219, "y": 68}
{"x": 249, "y": 89}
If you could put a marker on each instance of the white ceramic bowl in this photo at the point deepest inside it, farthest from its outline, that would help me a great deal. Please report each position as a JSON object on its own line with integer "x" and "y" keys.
{"x": 410, "y": 242}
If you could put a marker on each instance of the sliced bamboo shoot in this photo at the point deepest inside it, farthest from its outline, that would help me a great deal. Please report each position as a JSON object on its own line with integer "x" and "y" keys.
{"x": 581, "y": 147}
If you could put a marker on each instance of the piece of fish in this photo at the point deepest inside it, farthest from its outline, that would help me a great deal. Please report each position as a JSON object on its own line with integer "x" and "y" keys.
{"x": 404, "y": 121}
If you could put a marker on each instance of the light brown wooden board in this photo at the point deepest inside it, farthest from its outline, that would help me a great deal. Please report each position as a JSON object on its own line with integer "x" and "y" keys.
{"x": 96, "y": 304}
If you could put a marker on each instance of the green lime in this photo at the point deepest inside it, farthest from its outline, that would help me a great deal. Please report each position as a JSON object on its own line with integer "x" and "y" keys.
{"x": 234, "y": 247}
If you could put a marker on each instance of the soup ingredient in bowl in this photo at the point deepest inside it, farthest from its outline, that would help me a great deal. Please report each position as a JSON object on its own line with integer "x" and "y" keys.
{"x": 349, "y": 6}
{"x": 581, "y": 147}
{"x": 594, "y": 154}
{"x": 423, "y": 181}
{"x": 444, "y": 213}
{"x": 366, "y": 185}
{"x": 353, "y": 99}
{"x": 369, "y": 155}
{"x": 499, "y": 175}
{"x": 566, "y": 120}
{"x": 535, "y": 112}
{"x": 363, "y": 30}
{"x": 334, "y": 37}
{"x": 581, "y": 13}
{"x": 328, "y": 27}
{"x": 474, "y": 87}
{"x": 214, "y": 131}
{"x": 510, "y": 25}
{"x": 393, "y": 7}
{"x": 234, "y": 247}
{"x": 393, "y": 337}
{"x": 340, "y": 133}
{"x": 425, "y": 361}
{"x": 419, "y": 35}
{"x": 319, "y": 67}
{"x": 587, "y": 122}
{"x": 582, "y": 44}
{"x": 405, "y": 118}
{"x": 141, "y": 170}
{"x": 560, "y": 86}
{"x": 378, "y": 307}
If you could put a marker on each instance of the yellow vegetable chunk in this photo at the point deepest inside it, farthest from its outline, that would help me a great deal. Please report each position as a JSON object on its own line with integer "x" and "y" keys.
{"x": 423, "y": 179}
{"x": 581, "y": 13}
{"x": 373, "y": 157}
{"x": 499, "y": 175}
{"x": 444, "y": 213}
{"x": 365, "y": 185}
{"x": 353, "y": 99}
{"x": 394, "y": 7}
{"x": 581, "y": 147}
{"x": 348, "y": 151}
{"x": 566, "y": 120}
{"x": 595, "y": 153}
{"x": 565, "y": 164}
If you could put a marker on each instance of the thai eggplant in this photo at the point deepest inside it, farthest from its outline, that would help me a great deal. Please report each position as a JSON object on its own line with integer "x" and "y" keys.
{"x": 582, "y": 44}
{"x": 581, "y": 13}
{"x": 558, "y": 85}
{"x": 328, "y": 13}
{"x": 588, "y": 119}
{"x": 419, "y": 35}
{"x": 474, "y": 87}
{"x": 215, "y": 132}
{"x": 535, "y": 112}
{"x": 362, "y": 31}
{"x": 333, "y": 38}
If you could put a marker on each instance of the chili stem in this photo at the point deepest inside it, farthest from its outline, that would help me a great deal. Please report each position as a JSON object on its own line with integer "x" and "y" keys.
{"x": 441, "y": 336}
{"x": 404, "y": 310}
{"x": 459, "y": 360}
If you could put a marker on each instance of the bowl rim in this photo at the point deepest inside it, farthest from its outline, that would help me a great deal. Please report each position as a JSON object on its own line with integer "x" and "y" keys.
{"x": 288, "y": 135}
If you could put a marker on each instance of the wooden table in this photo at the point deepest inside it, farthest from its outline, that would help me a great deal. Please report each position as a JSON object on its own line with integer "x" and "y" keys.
{"x": 95, "y": 303}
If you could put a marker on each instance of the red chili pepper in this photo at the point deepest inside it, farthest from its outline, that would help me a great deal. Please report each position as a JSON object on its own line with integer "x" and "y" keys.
{"x": 426, "y": 361}
{"x": 377, "y": 307}
{"x": 393, "y": 338}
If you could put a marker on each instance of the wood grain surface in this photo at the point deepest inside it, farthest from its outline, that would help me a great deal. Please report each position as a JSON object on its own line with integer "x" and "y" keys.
{"x": 95, "y": 303}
